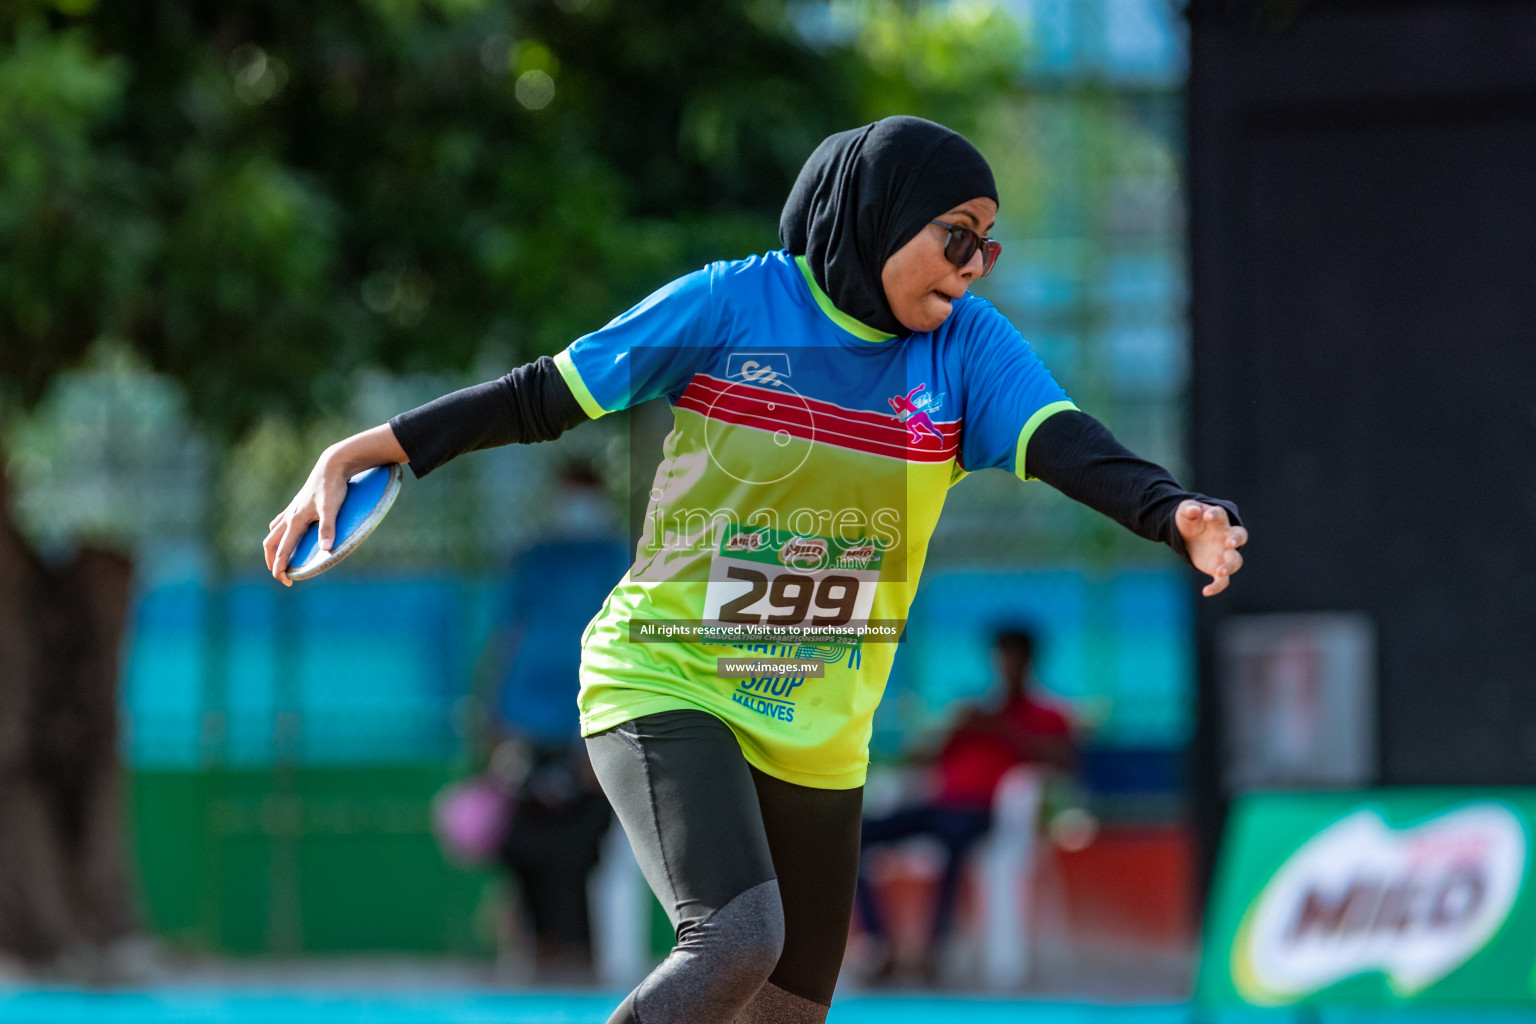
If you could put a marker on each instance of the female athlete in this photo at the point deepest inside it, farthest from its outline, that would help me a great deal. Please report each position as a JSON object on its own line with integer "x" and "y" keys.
{"x": 825, "y": 397}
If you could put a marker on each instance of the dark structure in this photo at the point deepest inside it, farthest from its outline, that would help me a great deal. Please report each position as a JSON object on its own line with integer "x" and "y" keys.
{"x": 1363, "y": 181}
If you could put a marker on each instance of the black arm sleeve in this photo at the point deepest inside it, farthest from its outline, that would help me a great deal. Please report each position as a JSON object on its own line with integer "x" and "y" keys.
{"x": 532, "y": 403}
{"x": 1077, "y": 455}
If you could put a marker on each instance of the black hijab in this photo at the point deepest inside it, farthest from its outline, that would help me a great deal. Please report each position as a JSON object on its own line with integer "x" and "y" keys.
{"x": 864, "y": 193}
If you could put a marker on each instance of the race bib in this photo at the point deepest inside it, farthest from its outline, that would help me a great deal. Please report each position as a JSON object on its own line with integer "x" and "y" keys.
{"x": 765, "y": 577}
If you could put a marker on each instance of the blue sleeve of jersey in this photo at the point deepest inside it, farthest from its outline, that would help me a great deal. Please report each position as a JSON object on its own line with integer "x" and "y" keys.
{"x": 1008, "y": 392}
{"x": 650, "y": 351}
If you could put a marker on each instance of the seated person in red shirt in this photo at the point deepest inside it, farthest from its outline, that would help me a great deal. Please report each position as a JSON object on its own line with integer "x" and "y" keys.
{"x": 974, "y": 757}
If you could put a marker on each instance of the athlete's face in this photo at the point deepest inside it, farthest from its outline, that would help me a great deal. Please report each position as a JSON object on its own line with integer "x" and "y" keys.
{"x": 920, "y": 284}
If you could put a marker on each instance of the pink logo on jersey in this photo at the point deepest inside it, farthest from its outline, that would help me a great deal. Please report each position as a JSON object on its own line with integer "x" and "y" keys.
{"x": 916, "y": 420}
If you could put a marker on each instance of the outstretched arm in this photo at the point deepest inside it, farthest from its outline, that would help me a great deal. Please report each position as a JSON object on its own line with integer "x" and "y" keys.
{"x": 1077, "y": 455}
{"x": 532, "y": 403}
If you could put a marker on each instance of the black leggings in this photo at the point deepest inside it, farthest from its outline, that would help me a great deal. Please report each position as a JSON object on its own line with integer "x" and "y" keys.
{"x": 756, "y": 874}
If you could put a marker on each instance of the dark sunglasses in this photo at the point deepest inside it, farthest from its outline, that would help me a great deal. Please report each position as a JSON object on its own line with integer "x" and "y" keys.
{"x": 961, "y": 245}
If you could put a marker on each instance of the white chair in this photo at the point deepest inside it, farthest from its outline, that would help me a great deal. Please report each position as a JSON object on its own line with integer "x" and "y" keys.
{"x": 1004, "y": 864}
{"x": 620, "y": 907}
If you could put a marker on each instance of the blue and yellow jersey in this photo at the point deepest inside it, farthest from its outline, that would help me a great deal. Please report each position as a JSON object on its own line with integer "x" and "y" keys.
{"x": 807, "y": 464}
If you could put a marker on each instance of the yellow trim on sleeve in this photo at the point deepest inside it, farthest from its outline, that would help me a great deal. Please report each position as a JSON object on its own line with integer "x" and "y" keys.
{"x": 1042, "y": 414}
{"x": 857, "y": 328}
{"x": 572, "y": 378}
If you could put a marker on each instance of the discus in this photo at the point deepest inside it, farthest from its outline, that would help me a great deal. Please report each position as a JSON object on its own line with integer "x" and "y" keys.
{"x": 369, "y": 496}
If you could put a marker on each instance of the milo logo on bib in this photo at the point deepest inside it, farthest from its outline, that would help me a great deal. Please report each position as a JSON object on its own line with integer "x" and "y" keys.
{"x": 742, "y": 541}
{"x": 859, "y": 557}
{"x": 766, "y": 577}
{"x": 803, "y": 551}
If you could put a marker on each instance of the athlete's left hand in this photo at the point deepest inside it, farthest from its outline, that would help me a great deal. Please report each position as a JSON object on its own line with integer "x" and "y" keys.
{"x": 1212, "y": 542}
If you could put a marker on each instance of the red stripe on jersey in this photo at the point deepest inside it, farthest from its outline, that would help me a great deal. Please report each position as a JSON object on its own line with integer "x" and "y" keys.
{"x": 810, "y": 419}
{"x": 714, "y": 386}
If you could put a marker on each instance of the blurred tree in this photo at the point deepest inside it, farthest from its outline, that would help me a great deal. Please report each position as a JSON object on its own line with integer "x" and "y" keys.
{"x": 261, "y": 198}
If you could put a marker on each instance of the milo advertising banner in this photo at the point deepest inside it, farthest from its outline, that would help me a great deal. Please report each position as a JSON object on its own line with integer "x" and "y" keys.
{"x": 1406, "y": 897}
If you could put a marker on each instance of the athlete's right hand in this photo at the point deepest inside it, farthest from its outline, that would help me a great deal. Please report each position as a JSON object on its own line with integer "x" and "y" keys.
{"x": 317, "y": 501}
{"x": 321, "y": 496}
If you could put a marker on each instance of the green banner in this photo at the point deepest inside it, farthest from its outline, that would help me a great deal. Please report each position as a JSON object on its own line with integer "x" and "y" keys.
{"x": 1383, "y": 898}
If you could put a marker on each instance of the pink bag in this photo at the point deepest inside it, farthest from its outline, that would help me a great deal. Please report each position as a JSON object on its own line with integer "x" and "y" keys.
{"x": 471, "y": 819}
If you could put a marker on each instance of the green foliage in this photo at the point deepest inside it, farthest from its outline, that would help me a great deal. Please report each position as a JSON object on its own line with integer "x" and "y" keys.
{"x": 61, "y": 226}
{"x": 946, "y": 61}
{"x": 261, "y": 198}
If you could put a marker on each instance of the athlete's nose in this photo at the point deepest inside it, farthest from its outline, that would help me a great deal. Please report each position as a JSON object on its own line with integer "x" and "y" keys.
{"x": 973, "y": 266}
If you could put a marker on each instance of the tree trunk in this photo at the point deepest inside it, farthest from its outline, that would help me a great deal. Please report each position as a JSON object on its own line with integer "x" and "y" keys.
{"x": 63, "y": 888}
